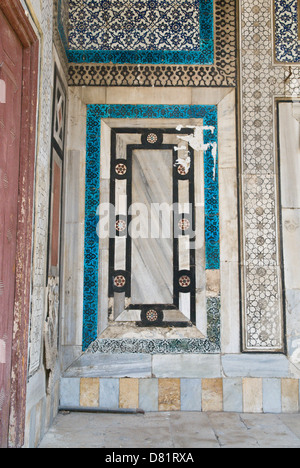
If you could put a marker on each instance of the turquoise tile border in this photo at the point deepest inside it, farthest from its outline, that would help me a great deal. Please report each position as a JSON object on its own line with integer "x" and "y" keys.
{"x": 91, "y": 246}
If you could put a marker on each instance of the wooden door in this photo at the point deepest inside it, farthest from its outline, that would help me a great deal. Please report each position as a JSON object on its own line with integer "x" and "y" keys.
{"x": 11, "y": 61}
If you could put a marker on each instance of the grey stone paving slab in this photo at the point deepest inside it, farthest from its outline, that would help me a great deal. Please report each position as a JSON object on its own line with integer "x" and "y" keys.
{"x": 270, "y": 431}
{"x": 173, "y": 430}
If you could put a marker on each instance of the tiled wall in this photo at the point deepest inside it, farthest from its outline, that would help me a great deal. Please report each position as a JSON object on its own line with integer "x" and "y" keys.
{"x": 287, "y": 47}
{"x": 166, "y": 67}
{"x": 142, "y": 32}
{"x": 248, "y": 395}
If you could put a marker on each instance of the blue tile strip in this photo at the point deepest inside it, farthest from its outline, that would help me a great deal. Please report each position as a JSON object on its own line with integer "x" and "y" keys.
{"x": 91, "y": 248}
{"x": 205, "y": 56}
{"x": 286, "y": 31}
{"x": 82, "y": 42}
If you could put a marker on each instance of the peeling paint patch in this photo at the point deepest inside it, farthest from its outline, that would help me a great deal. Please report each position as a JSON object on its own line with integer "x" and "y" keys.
{"x": 2, "y": 92}
{"x": 2, "y": 398}
{"x": 2, "y": 352}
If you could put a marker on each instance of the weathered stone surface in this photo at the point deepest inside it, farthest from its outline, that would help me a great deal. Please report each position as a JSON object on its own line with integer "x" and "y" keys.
{"x": 129, "y": 393}
{"x": 212, "y": 395}
{"x": 169, "y": 395}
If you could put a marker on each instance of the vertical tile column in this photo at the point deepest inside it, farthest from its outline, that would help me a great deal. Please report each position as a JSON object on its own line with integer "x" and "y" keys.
{"x": 261, "y": 275}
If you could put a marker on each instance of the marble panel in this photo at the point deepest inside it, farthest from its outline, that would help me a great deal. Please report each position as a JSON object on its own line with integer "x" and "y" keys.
{"x": 107, "y": 365}
{"x": 148, "y": 394}
{"x": 129, "y": 393}
{"x": 229, "y": 240}
{"x": 169, "y": 395}
{"x": 74, "y": 187}
{"x": 249, "y": 365}
{"x": 191, "y": 395}
{"x": 109, "y": 393}
{"x": 119, "y": 305}
{"x": 121, "y": 197}
{"x": 89, "y": 392}
{"x": 134, "y": 95}
{"x": 293, "y": 324}
{"x": 186, "y": 366}
{"x": 213, "y": 282}
{"x": 227, "y": 131}
{"x": 129, "y": 316}
{"x": 69, "y": 392}
{"x": 72, "y": 296}
{"x": 233, "y": 395}
{"x": 291, "y": 242}
{"x": 212, "y": 395}
{"x": 120, "y": 253}
{"x": 272, "y": 395}
{"x": 105, "y": 151}
{"x": 290, "y": 395}
{"x": 185, "y": 304}
{"x": 289, "y": 137}
{"x": 183, "y": 196}
{"x": 103, "y": 302}
{"x": 184, "y": 252}
{"x": 230, "y": 307}
{"x": 252, "y": 395}
{"x": 152, "y": 259}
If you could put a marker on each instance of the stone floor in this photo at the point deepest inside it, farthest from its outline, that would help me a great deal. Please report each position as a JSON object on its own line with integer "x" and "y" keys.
{"x": 173, "y": 430}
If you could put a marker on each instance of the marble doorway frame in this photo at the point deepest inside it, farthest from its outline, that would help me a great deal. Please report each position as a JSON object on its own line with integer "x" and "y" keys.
{"x": 229, "y": 304}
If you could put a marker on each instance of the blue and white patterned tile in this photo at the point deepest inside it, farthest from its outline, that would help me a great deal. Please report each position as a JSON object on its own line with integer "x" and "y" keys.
{"x": 286, "y": 31}
{"x": 141, "y": 31}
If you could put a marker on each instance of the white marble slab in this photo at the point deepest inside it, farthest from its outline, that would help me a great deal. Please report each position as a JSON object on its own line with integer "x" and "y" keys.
{"x": 289, "y": 133}
{"x": 184, "y": 252}
{"x": 121, "y": 197}
{"x": 152, "y": 259}
{"x": 187, "y": 366}
{"x": 291, "y": 242}
{"x": 185, "y": 304}
{"x": 120, "y": 253}
{"x": 106, "y": 365}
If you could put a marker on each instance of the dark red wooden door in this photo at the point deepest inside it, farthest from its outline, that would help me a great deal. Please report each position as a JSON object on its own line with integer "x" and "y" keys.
{"x": 10, "y": 126}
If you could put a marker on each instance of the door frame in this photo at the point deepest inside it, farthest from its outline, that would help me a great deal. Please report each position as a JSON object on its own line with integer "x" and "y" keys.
{"x": 19, "y": 22}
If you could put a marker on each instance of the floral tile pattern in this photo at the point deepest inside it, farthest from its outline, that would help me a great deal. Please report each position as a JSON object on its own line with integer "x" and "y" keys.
{"x": 286, "y": 31}
{"x": 141, "y": 31}
{"x": 170, "y": 67}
